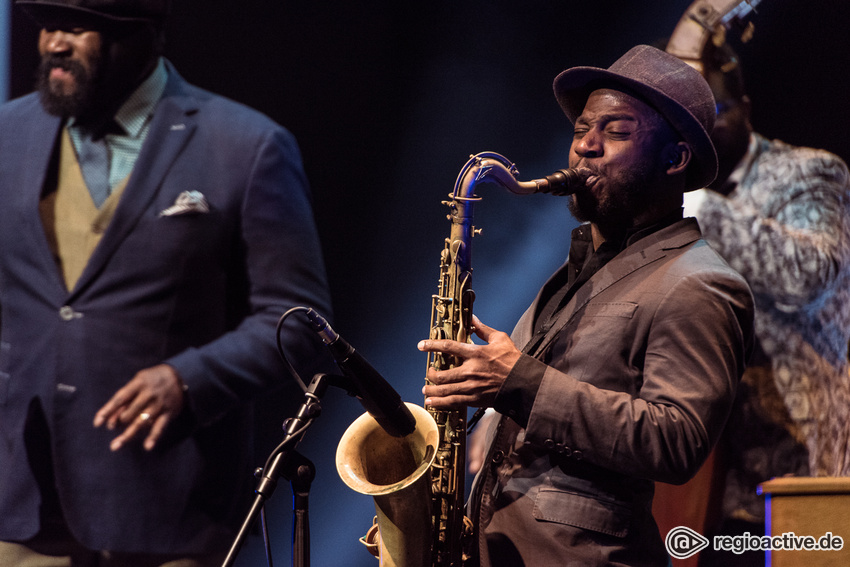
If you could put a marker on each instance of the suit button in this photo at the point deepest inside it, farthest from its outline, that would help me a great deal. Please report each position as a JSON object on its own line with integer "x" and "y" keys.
{"x": 549, "y": 444}
{"x": 498, "y": 457}
{"x": 577, "y": 455}
{"x": 67, "y": 313}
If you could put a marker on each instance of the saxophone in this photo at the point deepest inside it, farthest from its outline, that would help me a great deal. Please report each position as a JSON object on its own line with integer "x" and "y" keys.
{"x": 418, "y": 482}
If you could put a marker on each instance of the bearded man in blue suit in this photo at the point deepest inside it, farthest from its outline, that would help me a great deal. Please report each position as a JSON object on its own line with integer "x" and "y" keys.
{"x": 153, "y": 233}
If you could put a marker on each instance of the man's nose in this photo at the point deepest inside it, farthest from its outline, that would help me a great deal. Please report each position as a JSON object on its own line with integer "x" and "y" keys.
{"x": 589, "y": 146}
{"x": 56, "y": 41}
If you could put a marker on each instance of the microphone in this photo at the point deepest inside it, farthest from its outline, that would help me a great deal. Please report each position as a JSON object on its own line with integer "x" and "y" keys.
{"x": 378, "y": 398}
{"x": 563, "y": 182}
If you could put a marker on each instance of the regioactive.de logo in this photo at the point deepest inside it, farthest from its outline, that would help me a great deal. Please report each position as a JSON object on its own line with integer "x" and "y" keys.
{"x": 683, "y": 542}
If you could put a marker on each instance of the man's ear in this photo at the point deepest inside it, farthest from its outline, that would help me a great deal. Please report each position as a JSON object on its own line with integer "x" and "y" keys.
{"x": 677, "y": 157}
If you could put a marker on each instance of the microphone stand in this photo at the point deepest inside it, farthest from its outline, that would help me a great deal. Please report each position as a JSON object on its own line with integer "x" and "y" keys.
{"x": 294, "y": 467}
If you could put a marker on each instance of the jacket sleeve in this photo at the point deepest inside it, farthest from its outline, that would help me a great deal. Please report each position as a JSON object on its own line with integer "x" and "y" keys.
{"x": 685, "y": 377}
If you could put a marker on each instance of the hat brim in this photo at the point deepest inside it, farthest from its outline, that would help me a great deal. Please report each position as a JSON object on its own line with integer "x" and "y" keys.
{"x": 49, "y": 13}
{"x": 573, "y": 86}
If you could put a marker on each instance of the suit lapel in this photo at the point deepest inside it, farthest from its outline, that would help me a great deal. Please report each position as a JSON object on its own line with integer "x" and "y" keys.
{"x": 42, "y": 134}
{"x": 171, "y": 128}
{"x": 640, "y": 254}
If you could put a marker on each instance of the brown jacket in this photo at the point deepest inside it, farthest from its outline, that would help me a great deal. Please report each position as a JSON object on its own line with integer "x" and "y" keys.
{"x": 640, "y": 371}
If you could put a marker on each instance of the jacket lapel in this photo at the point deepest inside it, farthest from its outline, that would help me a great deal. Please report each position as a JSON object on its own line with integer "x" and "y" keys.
{"x": 635, "y": 257}
{"x": 41, "y": 128}
{"x": 172, "y": 126}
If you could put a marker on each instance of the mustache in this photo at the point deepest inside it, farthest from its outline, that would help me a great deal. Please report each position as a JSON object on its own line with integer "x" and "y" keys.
{"x": 49, "y": 62}
{"x": 80, "y": 98}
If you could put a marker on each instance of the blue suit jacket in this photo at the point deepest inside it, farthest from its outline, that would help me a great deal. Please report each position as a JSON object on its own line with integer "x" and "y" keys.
{"x": 201, "y": 292}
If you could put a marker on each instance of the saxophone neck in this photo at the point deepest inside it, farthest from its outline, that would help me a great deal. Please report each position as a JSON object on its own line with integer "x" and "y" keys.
{"x": 488, "y": 166}
{"x": 496, "y": 168}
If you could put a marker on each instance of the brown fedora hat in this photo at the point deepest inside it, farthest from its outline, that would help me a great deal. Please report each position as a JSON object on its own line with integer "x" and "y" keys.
{"x": 48, "y": 12}
{"x": 673, "y": 88}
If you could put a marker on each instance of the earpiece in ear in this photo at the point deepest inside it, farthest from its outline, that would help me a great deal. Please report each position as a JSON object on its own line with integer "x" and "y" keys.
{"x": 674, "y": 159}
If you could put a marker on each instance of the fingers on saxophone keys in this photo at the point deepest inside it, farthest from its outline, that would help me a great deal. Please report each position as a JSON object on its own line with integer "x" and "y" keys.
{"x": 438, "y": 345}
{"x": 448, "y": 348}
{"x": 442, "y": 390}
{"x": 442, "y": 377}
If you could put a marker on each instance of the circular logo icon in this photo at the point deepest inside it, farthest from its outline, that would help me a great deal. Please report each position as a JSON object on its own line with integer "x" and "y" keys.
{"x": 682, "y": 542}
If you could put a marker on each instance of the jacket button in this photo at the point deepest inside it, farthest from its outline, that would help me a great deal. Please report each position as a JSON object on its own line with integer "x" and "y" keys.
{"x": 563, "y": 449}
{"x": 498, "y": 457}
{"x": 577, "y": 455}
{"x": 67, "y": 313}
{"x": 549, "y": 444}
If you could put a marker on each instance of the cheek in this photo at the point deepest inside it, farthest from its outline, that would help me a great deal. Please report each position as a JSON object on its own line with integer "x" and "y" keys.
{"x": 87, "y": 48}
{"x": 43, "y": 40}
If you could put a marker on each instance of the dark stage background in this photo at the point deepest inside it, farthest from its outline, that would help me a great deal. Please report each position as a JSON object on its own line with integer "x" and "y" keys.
{"x": 388, "y": 99}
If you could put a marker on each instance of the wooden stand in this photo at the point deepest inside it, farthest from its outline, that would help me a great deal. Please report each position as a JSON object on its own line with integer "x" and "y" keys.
{"x": 809, "y": 506}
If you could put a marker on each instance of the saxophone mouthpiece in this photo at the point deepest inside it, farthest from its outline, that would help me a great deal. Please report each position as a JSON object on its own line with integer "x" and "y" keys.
{"x": 564, "y": 181}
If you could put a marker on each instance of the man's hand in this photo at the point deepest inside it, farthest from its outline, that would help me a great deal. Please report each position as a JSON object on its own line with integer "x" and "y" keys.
{"x": 476, "y": 443}
{"x": 146, "y": 404}
{"x": 477, "y": 380}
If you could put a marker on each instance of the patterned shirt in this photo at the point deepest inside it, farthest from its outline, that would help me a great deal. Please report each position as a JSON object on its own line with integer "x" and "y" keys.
{"x": 786, "y": 228}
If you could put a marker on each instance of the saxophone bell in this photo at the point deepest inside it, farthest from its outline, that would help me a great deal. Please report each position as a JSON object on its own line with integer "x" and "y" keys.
{"x": 396, "y": 473}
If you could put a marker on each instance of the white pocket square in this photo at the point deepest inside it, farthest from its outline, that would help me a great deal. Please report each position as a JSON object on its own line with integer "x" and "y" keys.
{"x": 187, "y": 202}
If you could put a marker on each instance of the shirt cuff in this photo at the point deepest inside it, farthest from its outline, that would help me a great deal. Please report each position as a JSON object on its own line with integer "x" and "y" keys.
{"x": 516, "y": 396}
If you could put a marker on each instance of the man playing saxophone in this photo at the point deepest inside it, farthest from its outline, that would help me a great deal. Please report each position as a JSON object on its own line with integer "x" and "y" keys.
{"x": 623, "y": 370}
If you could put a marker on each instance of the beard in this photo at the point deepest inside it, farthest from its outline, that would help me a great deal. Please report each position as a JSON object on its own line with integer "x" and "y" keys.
{"x": 624, "y": 196}
{"x": 81, "y": 99}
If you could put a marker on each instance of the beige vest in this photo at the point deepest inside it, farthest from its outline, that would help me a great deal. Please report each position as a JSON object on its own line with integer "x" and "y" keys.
{"x": 72, "y": 222}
